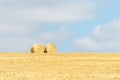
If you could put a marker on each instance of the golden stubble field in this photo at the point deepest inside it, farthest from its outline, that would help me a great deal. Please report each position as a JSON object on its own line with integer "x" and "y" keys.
{"x": 74, "y": 66}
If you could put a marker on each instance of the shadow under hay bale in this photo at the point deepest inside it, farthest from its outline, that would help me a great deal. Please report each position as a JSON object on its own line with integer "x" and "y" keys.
{"x": 51, "y": 49}
{"x": 45, "y": 50}
{"x": 38, "y": 48}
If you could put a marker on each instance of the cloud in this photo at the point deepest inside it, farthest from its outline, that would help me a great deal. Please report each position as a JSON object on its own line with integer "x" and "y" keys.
{"x": 8, "y": 30}
{"x": 23, "y": 42}
{"x": 15, "y": 44}
{"x": 22, "y": 21}
{"x": 104, "y": 38}
{"x": 62, "y": 13}
{"x": 54, "y": 36}
{"x": 65, "y": 11}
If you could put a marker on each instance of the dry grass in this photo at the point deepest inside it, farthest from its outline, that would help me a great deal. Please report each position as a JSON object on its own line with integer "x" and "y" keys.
{"x": 59, "y": 66}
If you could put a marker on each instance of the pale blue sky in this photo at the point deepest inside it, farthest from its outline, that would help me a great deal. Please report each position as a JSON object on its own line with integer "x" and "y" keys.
{"x": 73, "y": 25}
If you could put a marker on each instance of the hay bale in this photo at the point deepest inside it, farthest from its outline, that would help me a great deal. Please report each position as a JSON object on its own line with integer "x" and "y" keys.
{"x": 37, "y": 48}
{"x": 51, "y": 49}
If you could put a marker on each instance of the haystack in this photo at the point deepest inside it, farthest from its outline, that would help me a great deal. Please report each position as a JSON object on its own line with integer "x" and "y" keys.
{"x": 37, "y": 48}
{"x": 51, "y": 49}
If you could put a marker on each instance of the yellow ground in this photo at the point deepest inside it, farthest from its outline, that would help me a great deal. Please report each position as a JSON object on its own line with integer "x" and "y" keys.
{"x": 78, "y": 66}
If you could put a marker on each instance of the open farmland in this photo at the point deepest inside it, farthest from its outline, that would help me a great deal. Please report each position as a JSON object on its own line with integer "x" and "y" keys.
{"x": 74, "y": 66}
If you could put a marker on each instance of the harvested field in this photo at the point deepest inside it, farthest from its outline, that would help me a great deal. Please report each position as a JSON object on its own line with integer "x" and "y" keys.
{"x": 77, "y": 66}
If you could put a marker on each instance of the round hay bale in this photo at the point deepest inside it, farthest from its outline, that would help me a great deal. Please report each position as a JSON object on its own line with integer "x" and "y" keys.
{"x": 37, "y": 48}
{"x": 51, "y": 49}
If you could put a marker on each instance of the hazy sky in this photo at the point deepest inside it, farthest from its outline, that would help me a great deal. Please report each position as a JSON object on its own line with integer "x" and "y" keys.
{"x": 73, "y": 25}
